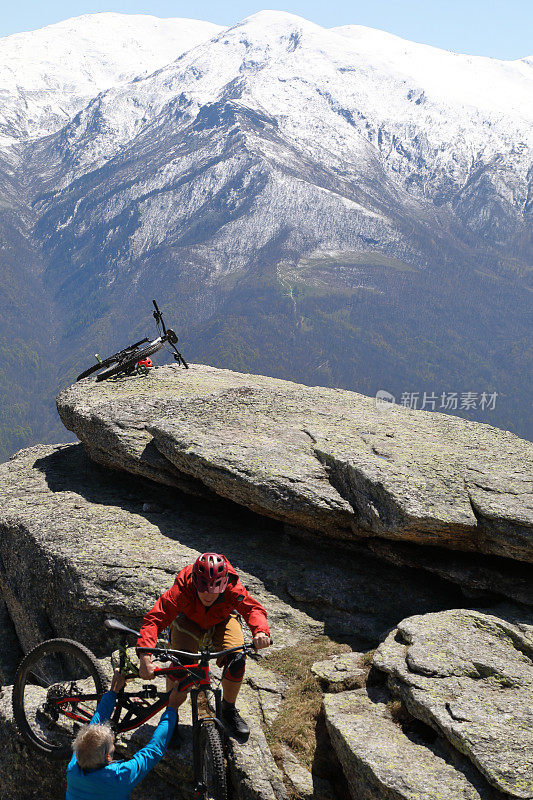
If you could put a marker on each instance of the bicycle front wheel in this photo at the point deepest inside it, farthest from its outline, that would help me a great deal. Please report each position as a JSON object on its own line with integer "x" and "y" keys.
{"x": 57, "y": 688}
{"x": 212, "y": 763}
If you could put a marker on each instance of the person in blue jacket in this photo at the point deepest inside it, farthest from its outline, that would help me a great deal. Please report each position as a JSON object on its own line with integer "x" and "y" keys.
{"x": 92, "y": 773}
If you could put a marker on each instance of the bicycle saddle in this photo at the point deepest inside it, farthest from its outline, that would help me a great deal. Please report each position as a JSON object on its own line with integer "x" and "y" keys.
{"x": 115, "y": 625}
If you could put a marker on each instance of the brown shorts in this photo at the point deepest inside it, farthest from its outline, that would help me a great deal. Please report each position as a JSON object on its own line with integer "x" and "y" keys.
{"x": 188, "y": 635}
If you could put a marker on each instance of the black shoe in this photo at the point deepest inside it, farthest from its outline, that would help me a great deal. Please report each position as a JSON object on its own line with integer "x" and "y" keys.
{"x": 234, "y": 724}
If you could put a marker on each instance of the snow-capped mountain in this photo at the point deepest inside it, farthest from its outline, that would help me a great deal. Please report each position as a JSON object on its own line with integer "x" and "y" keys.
{"x": 337, "y": 206}
{"x": 322, "y": 84}
{"x": 48, "y": 75}
{"x": 353, "y": 99}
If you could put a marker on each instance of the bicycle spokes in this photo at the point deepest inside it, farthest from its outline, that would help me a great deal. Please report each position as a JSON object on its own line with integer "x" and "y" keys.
{"x": 53, "y": 707}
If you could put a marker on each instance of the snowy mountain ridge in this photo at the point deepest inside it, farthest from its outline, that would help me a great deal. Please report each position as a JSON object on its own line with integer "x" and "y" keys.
{"x": 352, "y": 98}
{"x": 59, "y": 69}
{"x": 341, "y": 93}
{"x": 48, "y": 75}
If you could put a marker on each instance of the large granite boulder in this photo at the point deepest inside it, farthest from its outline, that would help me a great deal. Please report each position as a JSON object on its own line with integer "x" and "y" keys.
{"x": 76, "y": 545}
{"x": 381, "y": 761}
{"x": 272, "y": 474}
{"x": 469, "y": 675}
{"x": 321, "y": 459}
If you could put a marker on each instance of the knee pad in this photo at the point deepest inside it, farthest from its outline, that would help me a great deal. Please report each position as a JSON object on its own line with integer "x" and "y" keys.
{"x": 234, "y": 665}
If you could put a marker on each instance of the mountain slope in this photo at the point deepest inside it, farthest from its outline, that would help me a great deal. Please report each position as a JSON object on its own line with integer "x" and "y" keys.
{"x": 338, "y": 207}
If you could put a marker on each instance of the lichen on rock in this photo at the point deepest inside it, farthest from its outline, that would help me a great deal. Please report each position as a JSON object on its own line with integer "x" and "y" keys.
{"x": 469, "y": 675}
{"x": 323, "y": 459}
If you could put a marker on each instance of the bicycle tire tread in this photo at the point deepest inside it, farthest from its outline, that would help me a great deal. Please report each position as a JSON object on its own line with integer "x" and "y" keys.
{"x": 213, "y": 741}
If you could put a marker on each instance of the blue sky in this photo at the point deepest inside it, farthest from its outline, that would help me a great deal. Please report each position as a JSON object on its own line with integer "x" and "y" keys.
{"x": 497, "y": 28}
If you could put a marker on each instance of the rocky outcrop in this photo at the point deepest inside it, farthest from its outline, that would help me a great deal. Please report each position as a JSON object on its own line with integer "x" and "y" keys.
{"x": 382, "y": 762}
{"x": 445, "y": 713}
{"x": 72, "y": 530}
{"x": 79, "y": 543}
{"x": 327, "y": 507}
{"x": 469, "y": 676}
{"x": 321, "y": 459}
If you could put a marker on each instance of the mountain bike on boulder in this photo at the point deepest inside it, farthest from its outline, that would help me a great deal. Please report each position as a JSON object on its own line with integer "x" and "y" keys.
{"x": 136, "y": 358}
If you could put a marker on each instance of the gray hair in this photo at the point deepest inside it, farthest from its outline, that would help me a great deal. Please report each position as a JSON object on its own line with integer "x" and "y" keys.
{"x": 92, "y": 745}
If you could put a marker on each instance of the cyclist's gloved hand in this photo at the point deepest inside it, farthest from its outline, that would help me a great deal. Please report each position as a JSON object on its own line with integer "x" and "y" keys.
{"x": 261, "y": 640}
{"x": 118, "y": 682}
{"x": 146, "y": 669}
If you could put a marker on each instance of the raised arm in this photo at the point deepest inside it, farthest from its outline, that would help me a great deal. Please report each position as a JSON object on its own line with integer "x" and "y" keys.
{"x": 132, "y": 772}
{"x": 105, "y": 707}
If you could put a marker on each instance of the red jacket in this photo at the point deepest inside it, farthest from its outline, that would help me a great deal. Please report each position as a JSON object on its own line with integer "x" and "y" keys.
{"x": 183, "y": 597}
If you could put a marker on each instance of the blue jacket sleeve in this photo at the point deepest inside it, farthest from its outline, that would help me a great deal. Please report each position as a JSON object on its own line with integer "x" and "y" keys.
{"x": 103, "y": 712}
{"x": 132, "y": 772}
{"x": 104, "y": 709}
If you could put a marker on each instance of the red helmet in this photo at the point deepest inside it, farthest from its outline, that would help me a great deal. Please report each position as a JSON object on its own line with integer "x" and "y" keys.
{"x": 210, "y": 573}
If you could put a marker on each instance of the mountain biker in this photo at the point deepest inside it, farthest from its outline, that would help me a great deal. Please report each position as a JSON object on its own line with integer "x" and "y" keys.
{"x": 202, "y": 608}
{"x": 92, "y": 772}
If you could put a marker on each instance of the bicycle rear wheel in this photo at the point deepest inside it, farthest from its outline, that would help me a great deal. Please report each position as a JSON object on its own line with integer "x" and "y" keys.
{"x": 129, "y": 362}
{"x": 212, "y": 763}
{"x": 50, "y": 674}
{"x": 114, "y": 359}
{"x": 87, "y": 372}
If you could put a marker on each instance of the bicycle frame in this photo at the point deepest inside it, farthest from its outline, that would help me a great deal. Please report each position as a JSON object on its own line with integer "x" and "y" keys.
{"x": 73, "y": 684}
{"x": 142, "y": 705}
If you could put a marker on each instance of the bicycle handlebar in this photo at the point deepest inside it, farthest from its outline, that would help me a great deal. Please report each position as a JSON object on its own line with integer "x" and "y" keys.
{"x": 160, "y": 652}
